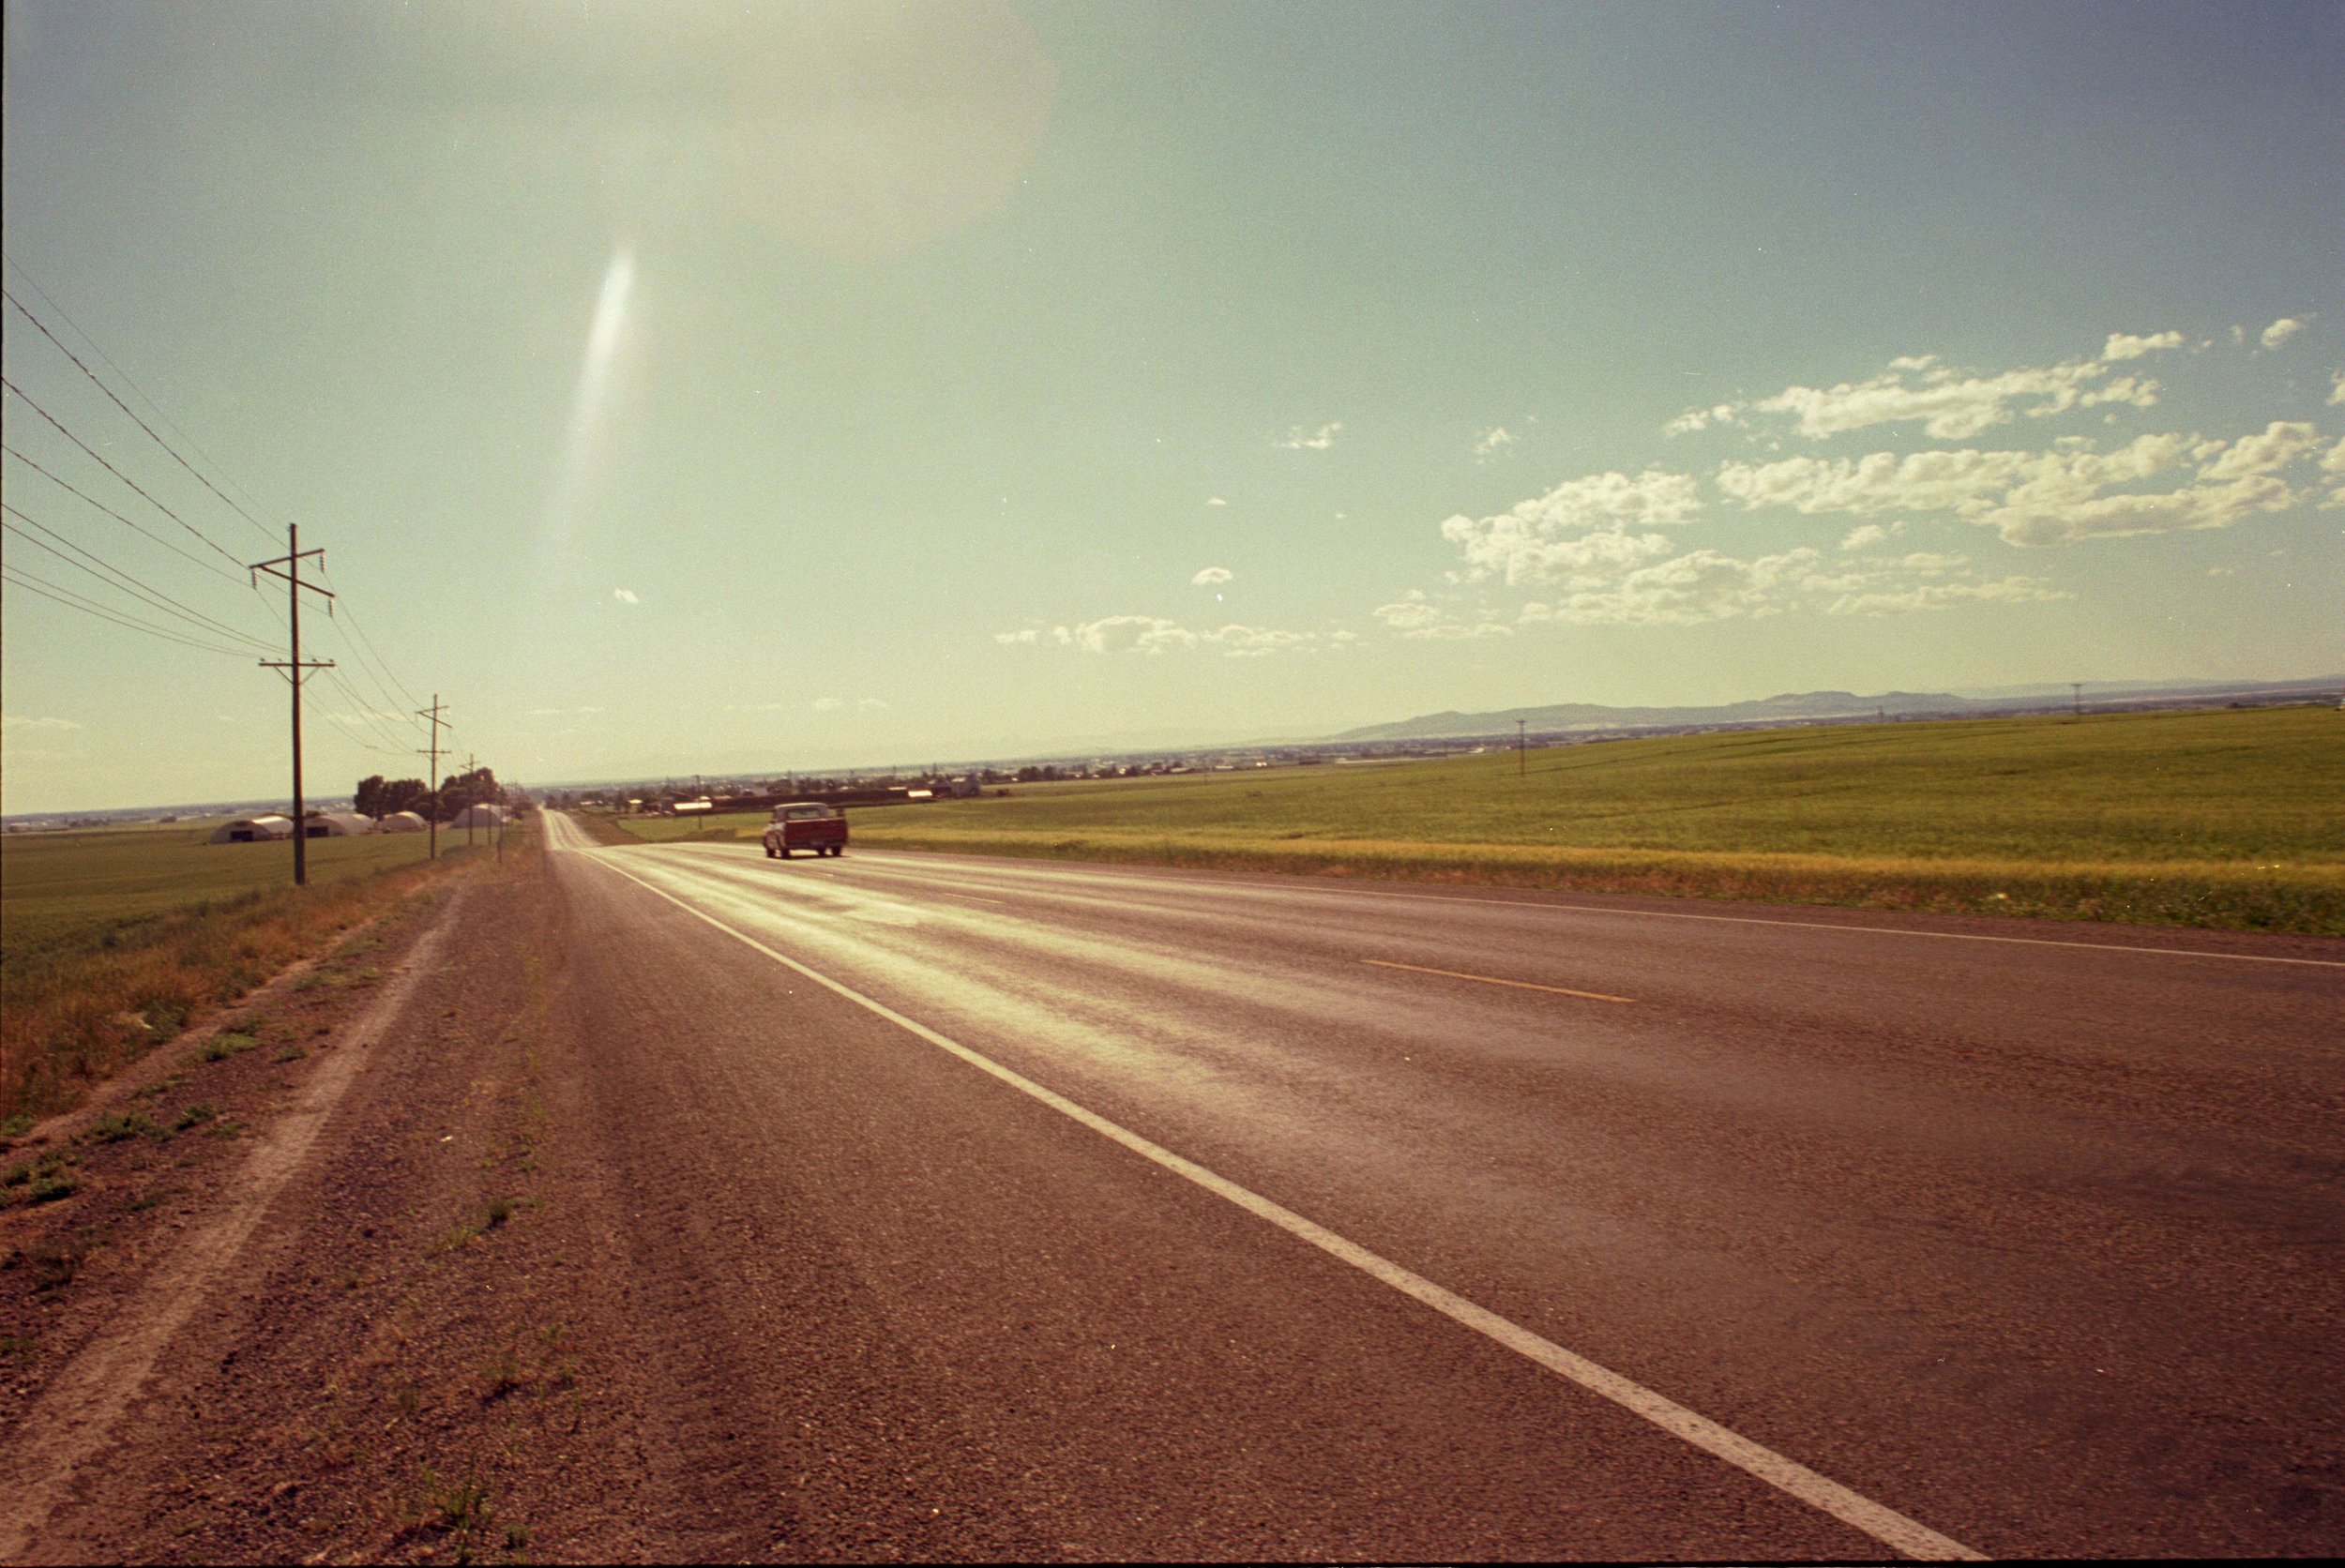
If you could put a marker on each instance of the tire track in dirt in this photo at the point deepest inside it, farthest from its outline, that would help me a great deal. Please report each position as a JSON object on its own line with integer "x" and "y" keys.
{"x": 79, "y": 1411}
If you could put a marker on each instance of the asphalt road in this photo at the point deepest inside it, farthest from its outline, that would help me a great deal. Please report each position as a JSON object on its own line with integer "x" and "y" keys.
{"x": 1136, "y": 1214}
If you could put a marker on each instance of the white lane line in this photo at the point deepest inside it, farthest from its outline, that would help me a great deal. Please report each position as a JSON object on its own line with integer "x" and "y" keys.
{"x": 1494, "y": 980}
{"x": 1730, "y": 919}
{"x": 1884, "y": 1524}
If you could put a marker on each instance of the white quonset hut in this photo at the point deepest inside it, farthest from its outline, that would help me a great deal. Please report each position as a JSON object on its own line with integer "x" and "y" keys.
{"x": 339, "y": 825}
{"x": 254, "y": 830}
{"x": 479, "y": 816}
{"x": 402, "y": 822}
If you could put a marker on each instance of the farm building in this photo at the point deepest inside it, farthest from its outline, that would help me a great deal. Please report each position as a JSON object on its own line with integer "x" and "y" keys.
{"x": 339, "y": 825}
{"x": 254, "y": 830}
{"x": 479, "y": 816}
{"x": 402, "y": 822}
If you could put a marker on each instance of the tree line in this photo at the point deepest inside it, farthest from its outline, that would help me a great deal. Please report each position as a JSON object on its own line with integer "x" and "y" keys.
{"x": 379, "y": 798}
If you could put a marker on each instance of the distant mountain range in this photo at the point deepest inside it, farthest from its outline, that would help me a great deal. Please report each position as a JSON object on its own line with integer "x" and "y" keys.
{"x": 1813, "y": 706}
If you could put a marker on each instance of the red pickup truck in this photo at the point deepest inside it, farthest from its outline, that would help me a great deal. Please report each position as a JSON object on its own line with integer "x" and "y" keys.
{"x": 805, "y": 824}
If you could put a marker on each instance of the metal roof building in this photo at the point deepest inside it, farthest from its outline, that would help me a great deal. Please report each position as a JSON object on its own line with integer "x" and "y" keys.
{"x": 254, "y": 830}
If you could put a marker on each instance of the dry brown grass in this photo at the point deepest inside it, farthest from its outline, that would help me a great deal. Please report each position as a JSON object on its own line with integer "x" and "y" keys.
{"x": 73, "y": 1015}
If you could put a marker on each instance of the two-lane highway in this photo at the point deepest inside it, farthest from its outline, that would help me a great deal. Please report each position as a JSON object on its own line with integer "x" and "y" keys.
{"x": 1460, "y": 1223}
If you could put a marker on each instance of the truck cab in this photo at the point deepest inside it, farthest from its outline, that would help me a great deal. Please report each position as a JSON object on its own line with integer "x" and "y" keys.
{"x": 805, "y": 824}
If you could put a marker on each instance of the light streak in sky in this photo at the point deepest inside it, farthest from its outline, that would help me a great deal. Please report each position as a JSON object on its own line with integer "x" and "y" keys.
{"x": 604, "y": 340}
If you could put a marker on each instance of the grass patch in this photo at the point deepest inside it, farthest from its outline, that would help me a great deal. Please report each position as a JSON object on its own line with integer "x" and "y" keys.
{"x": 221, "y": 1046}
{"x": 121, "y": 1126}
{"x": 2212, "y": 819}
{"x": 291, "y": 1053}
{"x": 49, "y": 1186}
{"x": 55, "y": 1264}
{"x": 194, "y": 1115}
{"x": 111, "y": 939}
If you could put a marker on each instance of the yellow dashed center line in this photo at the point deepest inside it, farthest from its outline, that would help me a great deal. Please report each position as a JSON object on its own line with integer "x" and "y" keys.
{"x": 1494, "y": 980}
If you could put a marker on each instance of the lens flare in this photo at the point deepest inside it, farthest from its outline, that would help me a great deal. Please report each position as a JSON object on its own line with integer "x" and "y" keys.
{"x": 582, "y": 443}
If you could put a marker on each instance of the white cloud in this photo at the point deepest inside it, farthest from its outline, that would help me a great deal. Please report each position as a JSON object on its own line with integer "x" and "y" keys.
{"x": 1864, "y": 537}
{"x": 1298, "y": 440}
{"x": 1132, "y": 634}
{"x": 2280, "y": 332}
{"x": 1938, "y": 596}
{"x": 625, "y": 596}
{"x": 2336, "y": 389}
{"x": 1492, "y": 442}
{"x": 1156, "y": 635}
{"x": 871, "y": 704}
{"x": 1237, "y": 642}
{"x": 2278, "y": 445}
{"x": 1538, "y": 540}
{"x": 1215, "y": 500}
{"x": 22, "y": 721}
{"x": 1414, "y": 610}
{"x": 2070, "y": 492}
{"x": 1702, "y": 418}
{"x": 2124, "y": 345}
{"x": 1415, "y": 615}
{"x": 1951, "y": 405}
{"x": 1699, "y": 585}
{"x": 1210, "y": 576}
{"x": 827, "y": 705}
{"x": 1027, "y": 636}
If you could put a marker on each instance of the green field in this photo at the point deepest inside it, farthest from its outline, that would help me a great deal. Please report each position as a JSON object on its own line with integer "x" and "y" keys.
{"x": 2225, "y": 817}
{"x": 59, "y": 891}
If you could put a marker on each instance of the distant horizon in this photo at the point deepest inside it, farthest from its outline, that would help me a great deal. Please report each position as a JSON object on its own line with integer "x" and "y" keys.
{"x": 2014, "y": 692}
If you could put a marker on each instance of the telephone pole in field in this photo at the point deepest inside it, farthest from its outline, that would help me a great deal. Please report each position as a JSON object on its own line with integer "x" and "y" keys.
{"x": 1522, "y": 755}
{"x": 472, "y": 764}
{"x": 433, "y": 751}
{"x": 297, "y": 670}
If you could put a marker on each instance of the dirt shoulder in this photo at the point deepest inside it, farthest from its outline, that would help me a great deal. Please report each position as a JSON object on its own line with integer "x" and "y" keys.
{"x": 327, "y": 1295}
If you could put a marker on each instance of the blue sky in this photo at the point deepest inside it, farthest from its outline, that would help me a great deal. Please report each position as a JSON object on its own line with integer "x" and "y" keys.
{"x": 682, "y": 389}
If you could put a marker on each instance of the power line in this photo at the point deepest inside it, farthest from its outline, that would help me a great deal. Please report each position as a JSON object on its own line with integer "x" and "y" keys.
{"x": 100, "y": 349}
{"x": 19, "y": 577}
{"x": 126, "y": 408}
{"x": 174, "y": 549}
{"x": 367, "y": 712}
{"x": 372, "y": 678}
{"x": 363, "y": 649}
{"x": 121, "y": 580}
{"x": 115, "y": 472}
{"x": 351, "y": 617}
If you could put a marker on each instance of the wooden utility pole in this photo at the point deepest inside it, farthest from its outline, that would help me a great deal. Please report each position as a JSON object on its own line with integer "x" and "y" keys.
{"x": 1523, "y": 756}
{"x": 2077, "y": 687}
{"x": 472, "y": 763}
{"x": 433, "y": 751}
{"x": 297, "y": 670}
